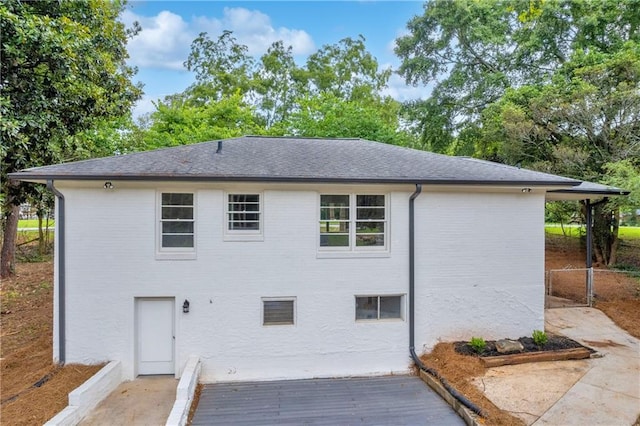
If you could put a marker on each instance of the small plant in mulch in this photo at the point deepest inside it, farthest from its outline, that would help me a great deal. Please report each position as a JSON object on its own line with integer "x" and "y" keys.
{"x": 553, "y": 343}
{"x": 478, "y": 344}
{"x": 540, "y": 338}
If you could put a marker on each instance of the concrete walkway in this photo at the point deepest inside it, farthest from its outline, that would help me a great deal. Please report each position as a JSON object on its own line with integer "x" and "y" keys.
{"x": 596, "y": 391}
{"x": 140, "y": 402}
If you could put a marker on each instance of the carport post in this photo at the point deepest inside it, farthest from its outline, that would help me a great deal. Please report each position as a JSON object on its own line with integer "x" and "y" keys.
{"x": 589, "y": 226}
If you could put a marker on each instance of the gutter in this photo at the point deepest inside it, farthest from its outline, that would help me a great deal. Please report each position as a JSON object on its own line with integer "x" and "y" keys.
{"x": 60, "y": 219}
{"x": 463, "y": 400}
{"x": 29, "y": 176}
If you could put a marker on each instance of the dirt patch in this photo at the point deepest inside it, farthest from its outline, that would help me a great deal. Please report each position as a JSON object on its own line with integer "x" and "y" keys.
{"x": 33, "y": 388}
{"x": 194, "y": 403}
{"x": 602, "y": 344}
{"x": 625, "y": 313}
{"x": 459, "y": 370}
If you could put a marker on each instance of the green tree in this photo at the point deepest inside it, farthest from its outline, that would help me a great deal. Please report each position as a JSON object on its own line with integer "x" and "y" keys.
{"x": 583, "y": 124}
{"x": 177, "y": 122}
{"x": 471, "y": 52}
{"x": 278, "y": 84}
{"x": 327, "y": 115}
{"x": 551, "y": 85}
{"x": 222, "y": 67}
{"x": 63, "y": 68}
{"x": 347, "y": 70}
{"x": 336, "y": 93}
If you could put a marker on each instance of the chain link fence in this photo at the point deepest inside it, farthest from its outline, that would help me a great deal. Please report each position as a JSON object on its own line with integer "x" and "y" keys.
{"x": 574, "y": 287}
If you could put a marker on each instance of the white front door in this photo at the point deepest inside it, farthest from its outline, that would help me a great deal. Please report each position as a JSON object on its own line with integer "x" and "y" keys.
{"x": 155, "y": 335}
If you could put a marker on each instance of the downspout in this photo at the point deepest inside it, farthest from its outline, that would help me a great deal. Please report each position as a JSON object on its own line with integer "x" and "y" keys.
{"x": 61, "y": 272}
{"x": 461, "y": 398}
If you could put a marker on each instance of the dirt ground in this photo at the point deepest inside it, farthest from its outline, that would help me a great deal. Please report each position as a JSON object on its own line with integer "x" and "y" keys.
{"x": 33, "y": 389}
{"x": 26, "y": 350}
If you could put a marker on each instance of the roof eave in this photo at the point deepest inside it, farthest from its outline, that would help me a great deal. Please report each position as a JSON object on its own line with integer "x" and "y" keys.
{"x": 38, "y": 178}
{"x": 572, "y": 194}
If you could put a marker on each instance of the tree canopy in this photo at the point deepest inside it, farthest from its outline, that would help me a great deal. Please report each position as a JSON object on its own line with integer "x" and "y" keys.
{"x": 551, "y": 85}
{"x": 64, "y": 71}
{"x": 335, "y": 93}
{"x": 471, "y": 52}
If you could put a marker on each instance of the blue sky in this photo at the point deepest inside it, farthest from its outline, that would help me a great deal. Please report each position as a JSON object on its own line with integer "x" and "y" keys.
{"x": 170, "y": 26}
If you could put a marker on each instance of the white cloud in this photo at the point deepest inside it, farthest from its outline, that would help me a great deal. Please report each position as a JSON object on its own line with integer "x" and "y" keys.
{"x": 165, "y": 39}
{"x": 163, "y": 42}
{"x": 144, "y": 106}
{"x": 399, "y": 90}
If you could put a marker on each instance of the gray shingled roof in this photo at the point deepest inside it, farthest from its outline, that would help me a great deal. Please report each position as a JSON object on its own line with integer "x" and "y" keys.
{"x": 257, "y": 158}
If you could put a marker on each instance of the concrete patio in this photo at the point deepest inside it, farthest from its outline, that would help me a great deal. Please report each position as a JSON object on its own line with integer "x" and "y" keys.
{"x": 597, "y": 391}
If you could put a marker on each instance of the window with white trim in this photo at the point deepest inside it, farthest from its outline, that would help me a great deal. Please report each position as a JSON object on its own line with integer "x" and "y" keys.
{"x": 278, "y": 311}
{"x": 355, "y": 222}
{"x": 177, "y": 223}
{"x": 244, "y": 213}
{"x": 379, "y": 307}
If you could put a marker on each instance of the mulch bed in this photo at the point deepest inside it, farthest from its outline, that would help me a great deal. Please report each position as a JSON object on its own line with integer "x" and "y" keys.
{"x": 554, "y": 343}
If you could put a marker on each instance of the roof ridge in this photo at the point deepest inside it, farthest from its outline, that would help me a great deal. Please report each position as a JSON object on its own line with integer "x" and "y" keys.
{"x": 298, "y": 137}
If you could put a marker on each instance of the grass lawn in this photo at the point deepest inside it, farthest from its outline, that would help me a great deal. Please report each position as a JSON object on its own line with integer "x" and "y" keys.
{"x": 625, "y": 232}
{"x": 33, "y": 223}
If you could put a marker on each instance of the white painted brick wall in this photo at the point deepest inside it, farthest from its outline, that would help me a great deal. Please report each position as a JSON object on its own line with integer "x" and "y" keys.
{"x": 479, "y": 265}
{"x": 476, "y": 253}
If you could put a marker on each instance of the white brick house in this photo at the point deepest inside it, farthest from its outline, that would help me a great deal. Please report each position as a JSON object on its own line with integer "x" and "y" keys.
{"x": 294, "y": 256}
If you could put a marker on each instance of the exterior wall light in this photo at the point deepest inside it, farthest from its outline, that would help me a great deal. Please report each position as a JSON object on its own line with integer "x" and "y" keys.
{"x": 108, "y": 185}
{"x": 526, "y": 190}
{"x": 185, "y": 306}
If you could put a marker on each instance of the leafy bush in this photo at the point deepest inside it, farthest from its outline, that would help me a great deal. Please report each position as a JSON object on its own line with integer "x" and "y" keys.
{"x": 539, "y": 337}
{"x": 478, "y": 344}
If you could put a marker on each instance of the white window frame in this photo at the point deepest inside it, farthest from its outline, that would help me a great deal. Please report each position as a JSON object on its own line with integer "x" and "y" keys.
{"x": 175, "y": 253}
{"x": 243, "y": 234}
{"x": 279, "y": 299}
{"x": 352, "y": 248}
{"x": 378, "y": 319}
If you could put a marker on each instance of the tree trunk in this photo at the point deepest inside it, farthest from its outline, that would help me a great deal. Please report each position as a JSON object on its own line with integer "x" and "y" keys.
{"x": 8, "y": 253}
{"x": 41, "y": 242}
{"x": 605, "y": 233}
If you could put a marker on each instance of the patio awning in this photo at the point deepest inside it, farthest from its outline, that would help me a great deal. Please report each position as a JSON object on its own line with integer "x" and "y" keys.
{"x": 585, "y": 191}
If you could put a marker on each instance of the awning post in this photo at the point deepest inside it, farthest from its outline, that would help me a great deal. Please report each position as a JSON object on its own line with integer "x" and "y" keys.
{"x": 589, "y": 260}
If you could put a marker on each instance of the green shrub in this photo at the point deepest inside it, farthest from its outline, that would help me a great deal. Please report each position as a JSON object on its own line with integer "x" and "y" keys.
{"x": 478, "y": 344}
{"x": 539, "y": 337}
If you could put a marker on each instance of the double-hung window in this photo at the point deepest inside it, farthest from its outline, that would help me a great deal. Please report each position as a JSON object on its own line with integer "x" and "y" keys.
{"x": 243, "y": 216}
{"x": 177, "y": 222}
{"x": 353, "y": 222}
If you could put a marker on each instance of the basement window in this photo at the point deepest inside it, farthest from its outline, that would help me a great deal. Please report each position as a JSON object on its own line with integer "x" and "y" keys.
{"x": 379, "y": 307}
{"x": 280, "y": 311}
